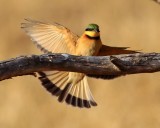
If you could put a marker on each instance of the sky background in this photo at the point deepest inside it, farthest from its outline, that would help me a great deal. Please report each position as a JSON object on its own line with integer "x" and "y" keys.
{"x": 127, "y": 102}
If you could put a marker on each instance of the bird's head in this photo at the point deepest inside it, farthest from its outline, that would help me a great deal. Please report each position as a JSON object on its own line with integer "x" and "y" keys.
{"x": 92, "y": 30}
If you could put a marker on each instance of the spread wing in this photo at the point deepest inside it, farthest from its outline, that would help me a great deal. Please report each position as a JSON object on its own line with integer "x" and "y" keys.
{"x": 53, "y": 38}
{"x": 107, "y": 50}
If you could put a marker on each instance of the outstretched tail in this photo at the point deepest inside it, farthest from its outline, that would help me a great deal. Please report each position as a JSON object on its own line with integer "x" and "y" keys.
{"x": 77, "y": 95}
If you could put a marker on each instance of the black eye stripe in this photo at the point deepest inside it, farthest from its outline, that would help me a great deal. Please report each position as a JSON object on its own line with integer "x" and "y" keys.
{"x": 89, "y": 29}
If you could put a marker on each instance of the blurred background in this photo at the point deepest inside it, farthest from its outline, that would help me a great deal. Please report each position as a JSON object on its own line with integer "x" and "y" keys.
{"x": 127, "y": 102}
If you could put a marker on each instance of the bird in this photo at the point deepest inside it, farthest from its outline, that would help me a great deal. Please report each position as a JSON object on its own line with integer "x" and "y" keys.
{"x": 69, "y": 87}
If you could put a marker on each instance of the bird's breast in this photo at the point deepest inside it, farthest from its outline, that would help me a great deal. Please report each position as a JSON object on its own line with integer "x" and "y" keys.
{"x": 88, "y": 47}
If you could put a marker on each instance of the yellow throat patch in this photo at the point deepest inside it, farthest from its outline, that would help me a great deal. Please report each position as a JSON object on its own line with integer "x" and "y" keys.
{"x": 92, "y": 33}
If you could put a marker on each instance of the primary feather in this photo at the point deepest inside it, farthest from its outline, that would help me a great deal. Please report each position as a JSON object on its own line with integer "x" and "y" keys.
{"x": 53, "y": 38}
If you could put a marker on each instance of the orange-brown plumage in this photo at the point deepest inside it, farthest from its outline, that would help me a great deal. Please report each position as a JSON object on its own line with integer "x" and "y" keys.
{"x": 70, "y": 87}
{"x": 87, "y": 47}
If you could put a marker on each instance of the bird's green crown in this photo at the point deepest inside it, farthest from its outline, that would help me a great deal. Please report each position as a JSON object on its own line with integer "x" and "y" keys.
{"x": 93, "y": 27}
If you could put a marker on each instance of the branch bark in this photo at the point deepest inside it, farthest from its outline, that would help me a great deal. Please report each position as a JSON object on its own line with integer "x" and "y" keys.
{"x": 102, "y": 65}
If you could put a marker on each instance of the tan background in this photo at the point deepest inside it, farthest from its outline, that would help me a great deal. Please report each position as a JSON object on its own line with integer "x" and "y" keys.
{"x": 127, "y": 102}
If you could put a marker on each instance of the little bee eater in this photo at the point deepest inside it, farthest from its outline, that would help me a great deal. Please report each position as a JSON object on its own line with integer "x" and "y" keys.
{"x": 71, "y": 87}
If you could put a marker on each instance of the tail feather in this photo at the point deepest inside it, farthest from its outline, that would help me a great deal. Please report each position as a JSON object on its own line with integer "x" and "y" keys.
{"x": 92, "y": 101}
{"x": 51, "y": 73}
{"x": 53, "y": 81}
{"x": 64, "y": 92}
{"x": 77, "y": 95}
{"x": 80, "y": 99}
{"x": 56, "y": 77}
{"x": 86, "y": 96}
{"x": 61, "y": 82}
{"x": 80, "y": 95}
{"x": 73, "y": 95}
{"x": 70, "y": 95}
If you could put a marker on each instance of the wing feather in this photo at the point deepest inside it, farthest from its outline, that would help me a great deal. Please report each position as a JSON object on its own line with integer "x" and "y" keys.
{"x": 108, "y": 50}
{"x": 53, "y": 38}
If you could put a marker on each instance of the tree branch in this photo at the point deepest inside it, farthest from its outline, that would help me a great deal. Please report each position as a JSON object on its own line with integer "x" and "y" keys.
{"x": 102, "y": 65}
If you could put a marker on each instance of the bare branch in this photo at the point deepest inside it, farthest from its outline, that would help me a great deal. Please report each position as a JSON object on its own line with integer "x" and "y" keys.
{"x": 102, "y": 65}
